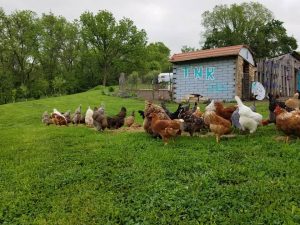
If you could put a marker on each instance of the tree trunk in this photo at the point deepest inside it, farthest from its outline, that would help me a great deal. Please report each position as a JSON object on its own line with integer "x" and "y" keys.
{"x": 104, "y": 75}
{"x": 104, "y": 79}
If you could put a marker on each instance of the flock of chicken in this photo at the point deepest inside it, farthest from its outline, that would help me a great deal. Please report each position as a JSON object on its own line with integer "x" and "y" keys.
{"x": 160, "y": 122}
{"x": 92, "y": 118}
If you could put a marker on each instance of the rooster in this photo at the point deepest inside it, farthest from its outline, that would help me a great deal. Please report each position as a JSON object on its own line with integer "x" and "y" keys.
{"x": 165, "y": 128}
{"x": 248, "y": 120}
{"x": 288, "y": 122}
{"x": 217, "y": 124}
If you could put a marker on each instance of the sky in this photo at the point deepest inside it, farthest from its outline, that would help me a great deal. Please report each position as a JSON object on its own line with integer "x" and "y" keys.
{"x": 175, "y": 23}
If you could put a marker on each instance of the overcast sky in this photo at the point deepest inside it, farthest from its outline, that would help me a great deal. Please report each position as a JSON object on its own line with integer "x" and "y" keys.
{"x": 175, "y": 23}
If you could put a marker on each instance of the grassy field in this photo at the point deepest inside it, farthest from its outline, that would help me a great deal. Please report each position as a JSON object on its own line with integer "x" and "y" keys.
{"x": 76, "y": 175}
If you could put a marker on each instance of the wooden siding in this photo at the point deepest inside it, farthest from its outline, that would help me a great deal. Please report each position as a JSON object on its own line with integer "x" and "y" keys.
{"x": 244, "y": 76}
{"x": 279, "y": 75}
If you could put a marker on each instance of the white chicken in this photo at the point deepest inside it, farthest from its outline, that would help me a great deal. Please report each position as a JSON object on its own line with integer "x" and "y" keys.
{"x": 55, "y": 111}
{"x": 248, "y": 120}
{"x": 89, "y": 117}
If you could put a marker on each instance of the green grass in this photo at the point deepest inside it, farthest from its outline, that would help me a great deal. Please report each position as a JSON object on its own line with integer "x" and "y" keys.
{"x": 75, "y": 175}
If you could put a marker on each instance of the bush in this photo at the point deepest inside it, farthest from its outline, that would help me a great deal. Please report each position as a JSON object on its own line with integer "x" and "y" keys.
{"x": 58, "y": 85}
{"x": 150, "y": 76}
{"x": 111, "y": 89}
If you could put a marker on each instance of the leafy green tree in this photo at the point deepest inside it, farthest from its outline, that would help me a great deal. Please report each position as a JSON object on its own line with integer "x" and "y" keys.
{"x": 151, "y": 76}
{"x": 59, "y": 49}
{"x": 186, "y": 48}
{"x": 114, "y": 43}
{"x": 49, "y": 55}
{"x": 158, "y": 57}
{"x": 20, "y": 41}
{"x": 40, "y": 87}
{"x": 87, "y": 69}
{"x": 70, "y": 56}
{"x": 133, "y": 79}
{"x": 58, "y": 84}
{"x": 24, "y": 91}
{"x": 6, "y": 87}
{"x": 132, "y": 48}
{"x": 154, "y": 65}
{"x": 247, "y": 23}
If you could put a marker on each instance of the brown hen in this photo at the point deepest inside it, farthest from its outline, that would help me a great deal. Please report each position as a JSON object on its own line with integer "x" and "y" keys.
{"x": 165, "y": 128}
{"x": 288, "y": 122}
{"x": 217, "y": 124}
{"x": 153, "y": 108}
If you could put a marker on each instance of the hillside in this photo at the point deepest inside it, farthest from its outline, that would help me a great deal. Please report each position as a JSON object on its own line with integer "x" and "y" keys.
{"x": 76, "y": 175}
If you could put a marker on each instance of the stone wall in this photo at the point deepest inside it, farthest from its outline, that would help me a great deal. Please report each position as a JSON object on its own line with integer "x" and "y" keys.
{"x": 149, "y": 94}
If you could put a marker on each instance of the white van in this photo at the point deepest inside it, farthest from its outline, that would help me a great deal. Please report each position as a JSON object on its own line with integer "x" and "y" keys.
{"x": 165, "y": 77}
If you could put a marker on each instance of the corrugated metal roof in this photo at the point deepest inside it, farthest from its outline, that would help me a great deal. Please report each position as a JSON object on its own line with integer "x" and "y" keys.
{"x": 208, "y": 53}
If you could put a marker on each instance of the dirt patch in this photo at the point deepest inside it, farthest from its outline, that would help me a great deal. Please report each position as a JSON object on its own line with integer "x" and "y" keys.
{"x": 136, "y": 129}
{"x": 133, "y": 129}
{"x": 210, "y": 134}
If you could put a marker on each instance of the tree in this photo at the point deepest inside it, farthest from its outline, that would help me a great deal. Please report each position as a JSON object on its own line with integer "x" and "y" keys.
{"x": 248, "y": 23}
{"x": 19, "y": 35}
{"x": 158, "y": 57}
{"x": 6, "y": 87}
{"x": 133, "y": 79}
{"x": 39, "y": 87}
{"x": 116, "y": 44}
{"x": 58, "y": 48}
{"x": 58, "y": 84}
{"x": 186, "y": 48}
{"x": 24, "y": 91}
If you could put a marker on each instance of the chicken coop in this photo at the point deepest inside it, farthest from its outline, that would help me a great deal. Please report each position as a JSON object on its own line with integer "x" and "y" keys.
{"x": 280, "y": 75}
{"x": 219, "y": 73}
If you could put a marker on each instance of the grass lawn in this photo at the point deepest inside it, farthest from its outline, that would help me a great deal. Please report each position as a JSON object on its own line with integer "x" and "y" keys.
{"x": 76, "y": 175}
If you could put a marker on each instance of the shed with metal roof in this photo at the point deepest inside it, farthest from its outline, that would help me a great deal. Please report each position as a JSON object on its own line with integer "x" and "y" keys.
{"x": 219, "y": 73}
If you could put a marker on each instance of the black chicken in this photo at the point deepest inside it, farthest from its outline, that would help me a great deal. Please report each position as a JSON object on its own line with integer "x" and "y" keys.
{"x": 116, "y": 121}
{"x": 181, "y": 108}
{"x": 192, "y": 123}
